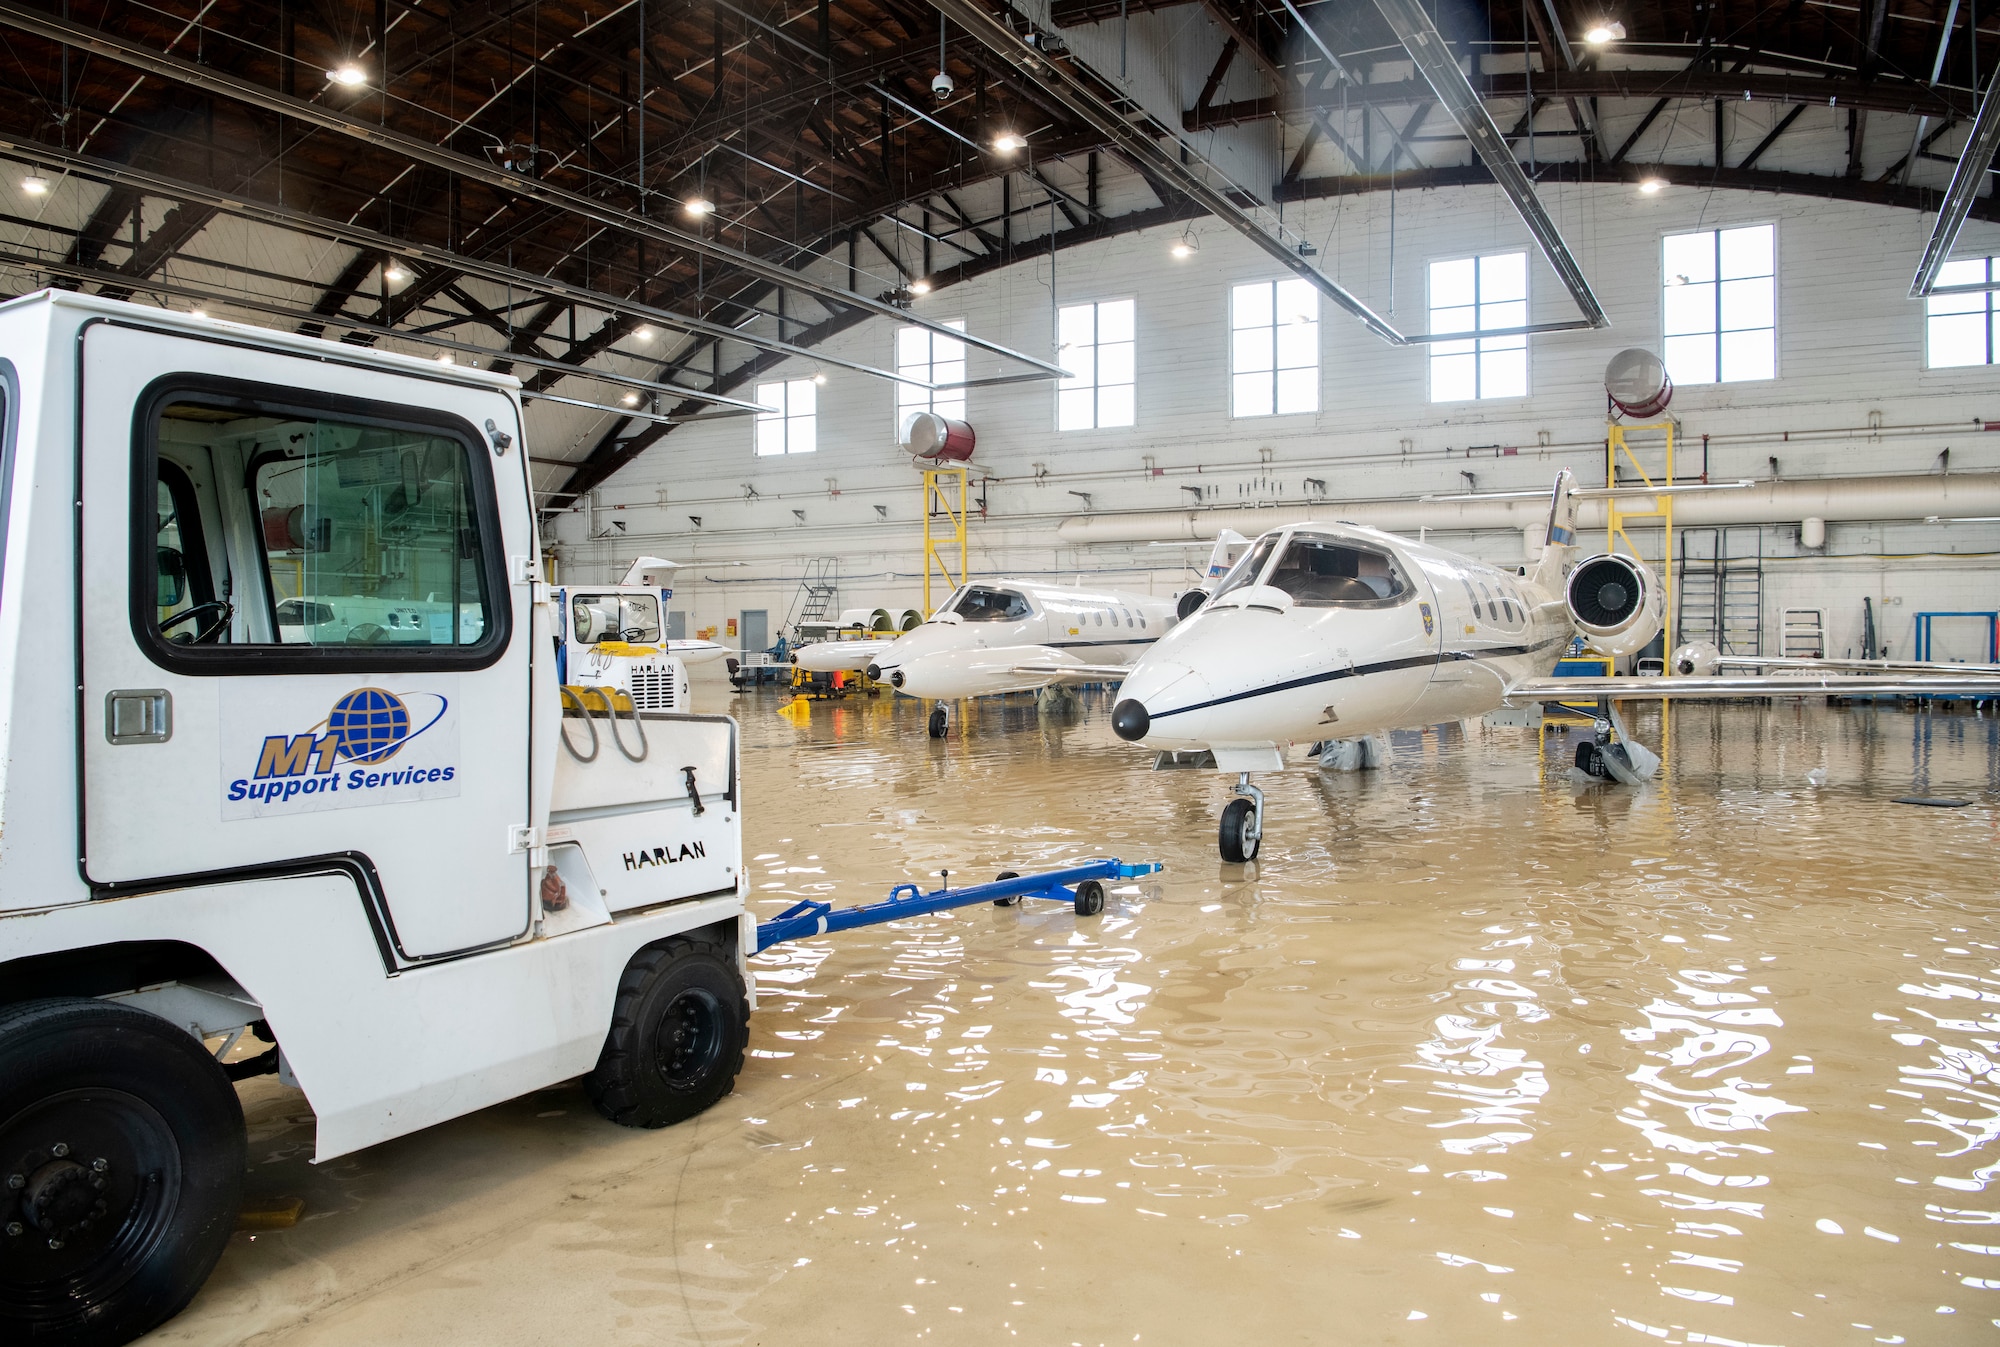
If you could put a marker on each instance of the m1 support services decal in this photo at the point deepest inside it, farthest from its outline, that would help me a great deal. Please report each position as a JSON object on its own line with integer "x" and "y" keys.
{"x": 372, "y": 745}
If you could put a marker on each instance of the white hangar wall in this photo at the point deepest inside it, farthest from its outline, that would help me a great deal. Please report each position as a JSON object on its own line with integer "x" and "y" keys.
{"x": 1852, "y": 397}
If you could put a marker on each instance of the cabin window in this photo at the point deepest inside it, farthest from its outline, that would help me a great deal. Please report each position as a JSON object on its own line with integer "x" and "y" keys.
{"x": 615, "y": 617}
{"x": 979, "y": 604}
{"x": 1327, "y": 572}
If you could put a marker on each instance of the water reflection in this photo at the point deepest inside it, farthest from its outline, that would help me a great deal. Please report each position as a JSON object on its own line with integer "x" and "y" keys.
{"x": 1710, "y": 1061}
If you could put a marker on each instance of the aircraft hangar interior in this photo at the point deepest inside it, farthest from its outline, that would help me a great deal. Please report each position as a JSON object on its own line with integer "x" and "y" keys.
{"x": 962, "y": 671}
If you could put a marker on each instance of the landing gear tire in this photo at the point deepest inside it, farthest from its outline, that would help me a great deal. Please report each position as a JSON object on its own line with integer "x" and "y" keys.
{"x": 122, "y": 1155}
{"x": 939, "y": 722}
{"x": 1007, "y": 902}
{"x": 1238, "y": 836}
{"x": 1089, "y": 898}
{"x": 1590, "y": 760}
{"x": 678, "y": 1030}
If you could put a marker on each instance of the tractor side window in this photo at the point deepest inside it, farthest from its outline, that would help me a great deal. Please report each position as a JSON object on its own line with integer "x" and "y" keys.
{"x": 1323, "y": 572}
{"x": 374, "y": 532}
{"x": 183, "y": 590}
{"x": 367, "y": 533}
{"x": 616, "y": 617}
{"x": 979, "y": 604}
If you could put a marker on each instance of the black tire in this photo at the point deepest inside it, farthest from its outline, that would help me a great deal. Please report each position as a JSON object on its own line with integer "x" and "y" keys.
{"x": 1590, "y": 760}
{"x": 94, "y": 1254}
{"x": 1007, "y": 902}
{"x": 939, "y": 723}
{"x": 678, "y": 1030}
{"x": 1233, "y": 837}
{"x": 1089, "y": 898}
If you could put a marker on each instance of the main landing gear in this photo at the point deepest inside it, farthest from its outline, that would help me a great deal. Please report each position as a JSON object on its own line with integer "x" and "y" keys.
{"x": 1242, "y": 823}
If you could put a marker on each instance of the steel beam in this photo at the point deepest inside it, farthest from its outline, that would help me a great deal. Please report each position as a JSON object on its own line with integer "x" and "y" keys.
{"x": 199, "y": 76}
{"x": 1967, "y": 179}
{"x": 1434, "y": 61}
{"x": 1061, "y": 84}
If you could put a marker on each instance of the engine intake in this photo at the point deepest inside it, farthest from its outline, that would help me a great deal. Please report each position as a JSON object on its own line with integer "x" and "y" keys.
{"x": 1615, "y": 602}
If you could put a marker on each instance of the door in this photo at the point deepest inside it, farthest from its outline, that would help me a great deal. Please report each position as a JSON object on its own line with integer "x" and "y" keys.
{"x": 300, "y": 638}
{"x": 677, "y": 625}
{"x": 754, "y": 630}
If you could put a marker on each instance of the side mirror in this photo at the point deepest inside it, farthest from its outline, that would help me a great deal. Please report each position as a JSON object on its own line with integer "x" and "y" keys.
{"x": 172, "y": 573}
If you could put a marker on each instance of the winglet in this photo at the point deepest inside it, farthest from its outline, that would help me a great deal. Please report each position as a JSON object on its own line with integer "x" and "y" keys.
{"x": 1561, "y": 535}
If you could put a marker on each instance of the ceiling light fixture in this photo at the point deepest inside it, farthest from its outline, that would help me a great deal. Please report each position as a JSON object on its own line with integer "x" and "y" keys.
{"x": 1007, "y": 142}
{"x": 697, "y": 205}
{"x": 444, "y": 358}
{"x": 197, "y": 313}
{"x": 643, "y": 334}
{"x": 35, "y": 185}
{"x": 394, "y": 273}
{"x": 819, "y": 377}
{"x": 1600, "y": 33}
{"x": 630, "y": 399}
{"x": 920, "y": 287}
{"x": 1186, "y": 246}
{"x": 350, "y": 75}
{"x": 1652, "y": 185}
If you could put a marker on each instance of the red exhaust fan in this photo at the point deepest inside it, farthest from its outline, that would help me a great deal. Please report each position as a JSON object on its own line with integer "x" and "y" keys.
{"x": 1636, "y": 382}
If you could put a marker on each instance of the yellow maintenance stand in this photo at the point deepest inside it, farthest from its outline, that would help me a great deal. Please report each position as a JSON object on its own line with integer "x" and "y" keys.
{"x": 1618, "y": 445}
{"x": 944, "y": 531}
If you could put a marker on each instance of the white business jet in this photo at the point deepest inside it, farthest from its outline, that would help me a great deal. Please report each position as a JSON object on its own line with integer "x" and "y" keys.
{"x": 996, "y": 636}
{"x": 1336, "y": 632}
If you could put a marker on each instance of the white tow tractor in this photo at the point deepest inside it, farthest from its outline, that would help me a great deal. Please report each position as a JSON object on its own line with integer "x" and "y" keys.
{"x": 290, "y": 758}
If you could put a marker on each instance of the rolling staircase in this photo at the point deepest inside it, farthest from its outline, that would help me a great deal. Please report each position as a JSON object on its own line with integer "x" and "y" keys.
{"x": 817, "y": 597}
{"x": 1722, "y": 589}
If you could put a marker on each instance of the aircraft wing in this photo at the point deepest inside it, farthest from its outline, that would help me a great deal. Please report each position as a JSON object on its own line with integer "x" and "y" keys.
{"x": 839, "y": 656}
{"x": 1535, "y": 690}
{"x": 1075, "y": 673}
{"x": 1855, "y": 666}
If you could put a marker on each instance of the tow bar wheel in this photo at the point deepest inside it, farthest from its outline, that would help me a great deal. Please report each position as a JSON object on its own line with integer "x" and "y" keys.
{"x": 121, "y": 1171}
{"x": 678, "y": 1031}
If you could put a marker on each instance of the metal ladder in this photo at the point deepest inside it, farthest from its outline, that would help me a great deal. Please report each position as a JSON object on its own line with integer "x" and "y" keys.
{"x": 819, "y": 591}
{"x": 1804, "y": 633}
{"x": 1722, "y": 589}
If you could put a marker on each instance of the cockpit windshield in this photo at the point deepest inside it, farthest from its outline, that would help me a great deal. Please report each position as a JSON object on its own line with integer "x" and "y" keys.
{"x": 1329, "y": 572}
{"x": 1248, "y": 567}
{"x": 977, "y": 603}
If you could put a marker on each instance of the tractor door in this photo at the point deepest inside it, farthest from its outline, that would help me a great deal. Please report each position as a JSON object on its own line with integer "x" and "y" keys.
{"x": 301, "y": 641}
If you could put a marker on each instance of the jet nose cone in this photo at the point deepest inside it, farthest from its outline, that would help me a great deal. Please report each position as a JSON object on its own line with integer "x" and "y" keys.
{"x": 1130, "y": 721}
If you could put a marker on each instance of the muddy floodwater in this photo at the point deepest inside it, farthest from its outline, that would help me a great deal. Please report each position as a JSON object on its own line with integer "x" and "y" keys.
{"x": 1472, "y": 1054}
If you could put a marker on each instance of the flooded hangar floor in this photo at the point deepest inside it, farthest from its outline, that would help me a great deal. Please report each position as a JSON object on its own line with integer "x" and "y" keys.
{"x": 1472, "y": 1051}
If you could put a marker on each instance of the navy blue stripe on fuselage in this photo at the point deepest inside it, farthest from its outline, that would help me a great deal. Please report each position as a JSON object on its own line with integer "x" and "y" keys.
{"x": 1363, "y": 670}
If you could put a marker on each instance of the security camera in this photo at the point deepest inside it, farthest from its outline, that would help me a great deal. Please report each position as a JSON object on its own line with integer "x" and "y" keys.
{"x": 941, "y": 86}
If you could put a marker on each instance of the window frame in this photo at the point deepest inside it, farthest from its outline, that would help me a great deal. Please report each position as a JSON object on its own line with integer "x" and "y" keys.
{"x": 253, "y": 398}
{"x": 1318, "y": 365}
{"x": 1990, "y": 311}
{"x": 1716, "y": 232}
{"x": 903, "y": 412}
{"x": 784, "y": 415}
{"x": 1475, "y": 335}
{"x": 1096, "y": 385}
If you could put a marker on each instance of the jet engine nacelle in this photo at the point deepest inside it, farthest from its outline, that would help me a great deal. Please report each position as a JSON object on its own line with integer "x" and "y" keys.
{"x": 1616, "y": 603}
{"x": 1696, "y": 659}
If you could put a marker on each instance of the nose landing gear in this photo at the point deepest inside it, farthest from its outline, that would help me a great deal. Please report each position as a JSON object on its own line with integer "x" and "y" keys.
{"x": 940, "y": 722}
{"x": 1242, "y": 828}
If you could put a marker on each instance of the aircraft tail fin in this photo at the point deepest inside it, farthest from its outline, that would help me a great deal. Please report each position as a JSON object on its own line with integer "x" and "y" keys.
{"x": 1561, "y": 540}
{"x": 1228, "y": 547}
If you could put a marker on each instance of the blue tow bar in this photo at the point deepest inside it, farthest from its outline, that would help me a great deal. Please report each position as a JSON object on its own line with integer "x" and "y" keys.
{"x": 1082, "y": 886}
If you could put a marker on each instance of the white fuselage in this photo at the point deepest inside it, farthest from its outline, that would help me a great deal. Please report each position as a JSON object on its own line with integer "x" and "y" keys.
{"x": 973, "y": 644}
{"x": 1278, "y": 659}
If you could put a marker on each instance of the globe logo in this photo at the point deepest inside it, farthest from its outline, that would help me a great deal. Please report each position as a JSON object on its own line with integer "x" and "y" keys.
{"x": 370, "y": 725}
